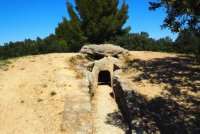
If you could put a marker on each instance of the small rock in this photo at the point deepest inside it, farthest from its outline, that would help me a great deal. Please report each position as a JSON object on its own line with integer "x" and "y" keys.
{"x": 22, "y": 101}
{"x": 39, "y": 100}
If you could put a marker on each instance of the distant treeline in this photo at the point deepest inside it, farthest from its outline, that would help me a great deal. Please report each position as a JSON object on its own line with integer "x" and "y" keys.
{"x": 185, "y": 43}
{"x": 103, "y": 22}
{"x": 34, "y": 47}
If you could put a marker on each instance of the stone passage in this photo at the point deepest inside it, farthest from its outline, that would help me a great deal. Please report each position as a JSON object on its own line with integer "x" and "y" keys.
{"x": 103, "y": 106}
{"x": 104, "y": 78}
{"x": 107, "y": 118}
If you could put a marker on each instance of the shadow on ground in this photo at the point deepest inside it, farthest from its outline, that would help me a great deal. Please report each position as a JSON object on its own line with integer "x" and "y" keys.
{"x": 116, "y": 119}
{"x": 177, "y": 111}
{"x": 178, "y": 72}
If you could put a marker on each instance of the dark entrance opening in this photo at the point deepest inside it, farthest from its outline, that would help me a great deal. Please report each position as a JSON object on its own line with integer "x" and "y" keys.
{"x": 104, "y": 78}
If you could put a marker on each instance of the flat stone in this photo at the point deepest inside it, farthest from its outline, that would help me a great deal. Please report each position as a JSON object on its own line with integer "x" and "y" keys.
{"x": 103, "y": 50}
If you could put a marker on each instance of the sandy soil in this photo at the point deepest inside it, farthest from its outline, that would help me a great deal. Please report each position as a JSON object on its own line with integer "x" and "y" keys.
{"x": 33, "y": 90}
{"x": 27, "y": 87}
{"x": 103, "y": 105}
{"x": 146, "y": 88}
{"x": 155, "y": 73}
{"x": 148, "y": 55}
{"x": 169, "y": 90}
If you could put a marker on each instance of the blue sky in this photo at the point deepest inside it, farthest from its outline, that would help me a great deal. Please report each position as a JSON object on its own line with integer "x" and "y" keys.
{"x": 22, "y": 19}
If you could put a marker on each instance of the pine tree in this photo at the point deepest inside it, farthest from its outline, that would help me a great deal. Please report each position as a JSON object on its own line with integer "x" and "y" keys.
{"x": 94, "y": 21}
{"x": 182, "y": 16}
{"x": 70, "y": 30}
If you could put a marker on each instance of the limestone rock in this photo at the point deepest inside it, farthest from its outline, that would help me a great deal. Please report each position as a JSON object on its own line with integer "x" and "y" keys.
{"x": 103, "y": 50}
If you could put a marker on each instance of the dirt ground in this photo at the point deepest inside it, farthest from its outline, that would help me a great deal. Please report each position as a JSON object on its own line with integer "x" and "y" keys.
{"x": 32, "y": 94}
{"x": 155, "y": 73}
{"x": 169, "y": 88}
{"x": 33, "y": 91}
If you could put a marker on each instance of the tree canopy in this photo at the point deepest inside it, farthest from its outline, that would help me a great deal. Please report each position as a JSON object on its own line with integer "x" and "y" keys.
{"x": 181, "y": 14}
{"x": 93, "y": 21}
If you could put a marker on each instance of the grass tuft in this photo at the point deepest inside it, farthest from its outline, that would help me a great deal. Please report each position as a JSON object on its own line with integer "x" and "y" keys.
{"x": 4, "y": 64}
{"x": 53, "y": 93}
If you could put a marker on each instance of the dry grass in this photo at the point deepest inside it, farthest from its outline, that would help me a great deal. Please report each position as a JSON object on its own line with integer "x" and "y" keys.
{"x": 4, "y": 64}
{"x": 129, "y": 65}
{"x": 76, "y": 59}
{"x": 79, "y": 60}
{"x": 79, "y": 75}
{"x": 53, "y": 93}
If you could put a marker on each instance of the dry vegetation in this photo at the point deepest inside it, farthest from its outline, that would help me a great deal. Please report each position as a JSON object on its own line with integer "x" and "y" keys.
{"x": 80, "y": 60}
{"x": 4, "y": 64}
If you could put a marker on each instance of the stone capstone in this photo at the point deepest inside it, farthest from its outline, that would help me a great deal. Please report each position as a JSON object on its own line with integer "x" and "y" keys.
{"x": 103, "y": 50}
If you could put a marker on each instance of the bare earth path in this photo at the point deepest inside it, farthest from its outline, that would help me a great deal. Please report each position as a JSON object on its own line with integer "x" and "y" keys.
{"x": 104, "y": 104}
